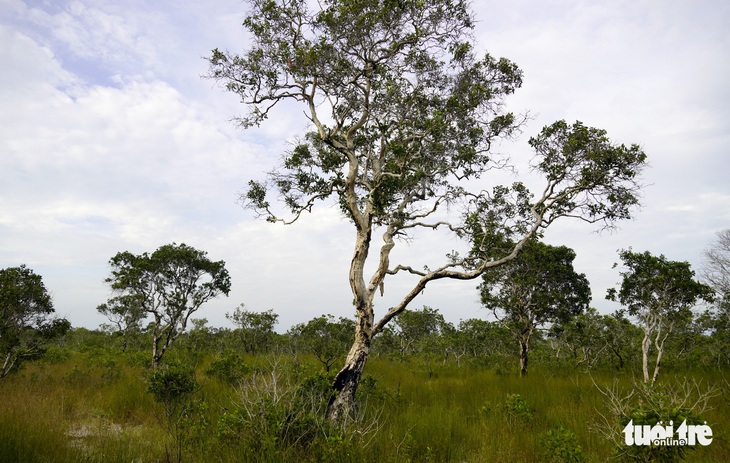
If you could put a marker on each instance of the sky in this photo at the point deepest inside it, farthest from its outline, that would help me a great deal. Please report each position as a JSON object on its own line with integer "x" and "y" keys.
{"x": 111, "y": 141}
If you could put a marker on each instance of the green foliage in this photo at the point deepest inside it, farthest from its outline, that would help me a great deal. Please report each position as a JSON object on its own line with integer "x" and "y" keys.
{"x": 44, "y": 417}
{"x": 276, "y": 418}
{"x": 656, "y": 285}
{"x": 651, "y": 404}
{"x": 125, "y": 314}
{"x": 560, "y": 445}
{"x": 423, "y": 331}
{"x": 538, "y": 287}
{"x": 327, "y": 339}
{"x": 586, "y": 156}
{"x": 172, "y": 383}
{"x": 660, "y": 293}
{"x": 169, "y": 285}
{"x": 26, "y": 325}
{"x": 255, "y": 330}
{"x": 228, "y": 367}
{"x": 590, "y": 340}
{"x": 173, "y": 386}
{"x": 517, "y": 409}
{"x": 404, "y": 114}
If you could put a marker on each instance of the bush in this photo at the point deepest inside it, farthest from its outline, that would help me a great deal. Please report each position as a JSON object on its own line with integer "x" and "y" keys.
{"x": 172, "y": 383}
{"x": 651, "y": 404}
{"x": 173, "y": 386}
{"x": 517, "y": 409}
{"x": 277, "y": 418}
{"x": 560, "y": 445}
{"x": 228, "y": 368}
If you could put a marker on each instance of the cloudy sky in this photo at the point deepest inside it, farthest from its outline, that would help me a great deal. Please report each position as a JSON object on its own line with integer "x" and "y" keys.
{"x": 111, "y": 141}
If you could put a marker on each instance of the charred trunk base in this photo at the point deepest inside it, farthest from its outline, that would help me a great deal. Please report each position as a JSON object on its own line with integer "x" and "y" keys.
{"x": 342, "y": 406}
{"x": 524, "y": 349}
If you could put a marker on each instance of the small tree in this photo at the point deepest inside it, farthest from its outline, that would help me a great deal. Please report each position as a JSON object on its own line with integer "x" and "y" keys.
{"x": 173, "y": 386}
{"x": 716, "y": 273}
{"x": 170, "y": 285}
{"x": 660, "y": 293}
{"x": 537, "y": 288}
{"x": 26, "y": 325}
{"x": 327, "y": 339}
{"x": 255, "y": 330}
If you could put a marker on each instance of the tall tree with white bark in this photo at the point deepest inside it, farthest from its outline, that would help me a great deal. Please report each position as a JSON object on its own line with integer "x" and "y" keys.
{"x": 403, "y": 116}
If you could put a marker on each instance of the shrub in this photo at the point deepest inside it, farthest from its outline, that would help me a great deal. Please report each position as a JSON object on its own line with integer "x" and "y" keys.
{"x": 651, "y": 404}
{"x": 173, "y": 386}
{"x": 228, "y": 368}
{"x": 172, "y": 383}
{"x": 517, "y": 409}
{"x": 560, "y": 445}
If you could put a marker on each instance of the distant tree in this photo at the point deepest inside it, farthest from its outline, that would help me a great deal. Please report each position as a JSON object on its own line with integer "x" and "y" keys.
{"x": 660, "y": 293}
{"x": 255, "y": 330}
{"x": 404, "y": 115}
{"x": 620, "y": 335}
{"x": 717, "y": 324}
{"x": 201, "y": 337}
{"x": 418, "y": 331}
{"x": 481, "y": 339}
{"x": 591, "y": 337}
{"x": 716, "y": 265}
{"x": 327, "y": 339}
{"x": 125, "y": 314}
{"x": 26, "y": 322}
{"x": 538, "y": 287}
{"x": 169, "y": 285}
{"x": 580, "y": 337}
{"x": 716, "y": 273}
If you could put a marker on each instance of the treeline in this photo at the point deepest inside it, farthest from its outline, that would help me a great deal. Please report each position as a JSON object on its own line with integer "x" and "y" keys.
{"x": 538, "y": 301}
{"x": 590, "y": 340}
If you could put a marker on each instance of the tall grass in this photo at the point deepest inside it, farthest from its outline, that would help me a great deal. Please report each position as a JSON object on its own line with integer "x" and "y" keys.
{"x": 86, "y": 409}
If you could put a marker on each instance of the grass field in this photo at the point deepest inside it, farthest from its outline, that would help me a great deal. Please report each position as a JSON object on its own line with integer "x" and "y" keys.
{"x": 86, "y": 408}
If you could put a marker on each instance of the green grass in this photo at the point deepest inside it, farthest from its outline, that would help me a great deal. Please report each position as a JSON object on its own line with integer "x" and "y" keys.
{"x": 83, "y": 409}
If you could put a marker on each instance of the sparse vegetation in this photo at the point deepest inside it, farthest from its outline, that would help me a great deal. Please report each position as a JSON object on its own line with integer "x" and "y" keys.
{"x": 89, "y": 401}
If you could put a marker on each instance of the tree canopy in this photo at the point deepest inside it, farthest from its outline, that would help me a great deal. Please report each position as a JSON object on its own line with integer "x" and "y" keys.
{"x": 169, "y": 285}
{"x": 538, "y": 287}
{"x": 26, "y": 322}
{"x": 659, "y": 293}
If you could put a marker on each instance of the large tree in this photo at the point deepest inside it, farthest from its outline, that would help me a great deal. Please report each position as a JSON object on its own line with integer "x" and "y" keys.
{"x": 26, "y": 318}
{"x": 536, "y": 288}
{"x": 660, "y": 294}
{"x": 403, "y": 115}
{"x": 168, "y": 285}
